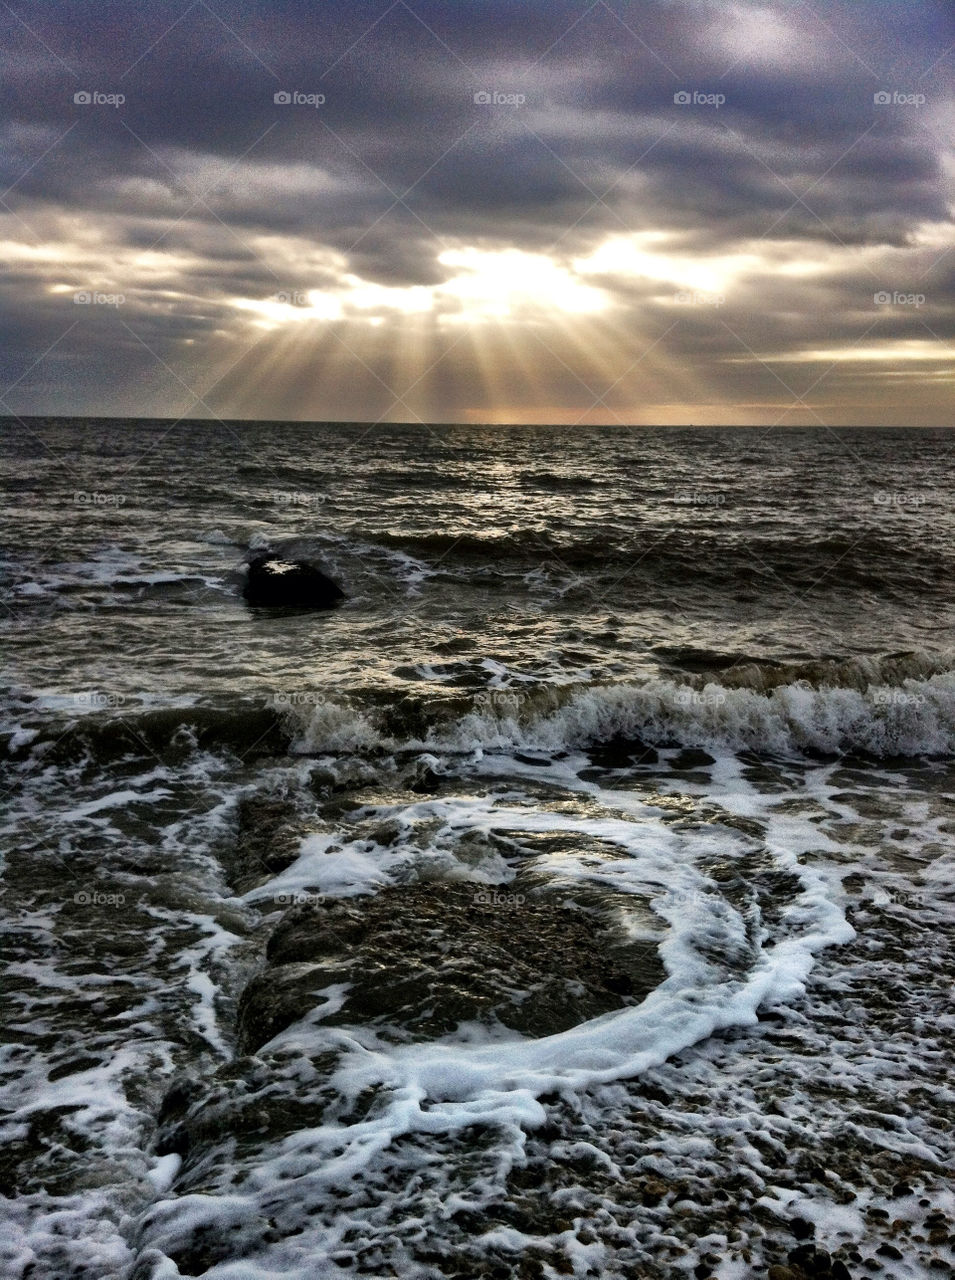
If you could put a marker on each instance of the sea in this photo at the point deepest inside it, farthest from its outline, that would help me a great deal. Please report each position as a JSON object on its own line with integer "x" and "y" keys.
{"x": 306, "y": 916}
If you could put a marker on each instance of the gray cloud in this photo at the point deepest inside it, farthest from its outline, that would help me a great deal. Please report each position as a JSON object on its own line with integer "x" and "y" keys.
{"x": 199, "y": 197}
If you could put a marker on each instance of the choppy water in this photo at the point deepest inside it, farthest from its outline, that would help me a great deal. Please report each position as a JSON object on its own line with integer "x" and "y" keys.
{"x": 690, "y": 680}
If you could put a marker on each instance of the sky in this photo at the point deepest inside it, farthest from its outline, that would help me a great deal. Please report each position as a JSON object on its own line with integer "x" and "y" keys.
{"x": 663, "y": 211}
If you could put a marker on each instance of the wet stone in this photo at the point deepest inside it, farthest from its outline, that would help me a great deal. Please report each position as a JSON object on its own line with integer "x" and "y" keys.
{"x": 419, "y": 960}
{"x": 268, "y": 840}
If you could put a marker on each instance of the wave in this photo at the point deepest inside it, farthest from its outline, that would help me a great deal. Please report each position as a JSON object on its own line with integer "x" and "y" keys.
{"x": 748, "y": 671}
{"x": 249, "y": 730}
{"x": 523, "y": 545}
{"x": 793, "y": 719}
{"x": 895, "y": 706}
{"x": 687, "y": 555}
{"x": 901, "y": 706}
{"x": 555, "y": 480}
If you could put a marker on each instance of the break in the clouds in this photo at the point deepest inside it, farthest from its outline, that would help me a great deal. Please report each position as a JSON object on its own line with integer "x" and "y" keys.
{"x": 670, "y": 211}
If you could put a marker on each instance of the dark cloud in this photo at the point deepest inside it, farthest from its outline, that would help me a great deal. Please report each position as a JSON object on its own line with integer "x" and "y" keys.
{"x": 200, "y": 195}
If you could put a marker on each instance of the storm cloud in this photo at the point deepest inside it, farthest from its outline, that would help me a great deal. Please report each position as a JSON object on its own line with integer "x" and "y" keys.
{"x": 643, "y": 212}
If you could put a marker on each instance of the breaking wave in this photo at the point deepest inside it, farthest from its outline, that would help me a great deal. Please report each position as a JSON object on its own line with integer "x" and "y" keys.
{"x": 870, "y": 707}
{"x": 890, "y": 707}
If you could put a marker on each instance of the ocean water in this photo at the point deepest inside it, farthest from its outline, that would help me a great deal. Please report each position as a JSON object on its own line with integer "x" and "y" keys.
{"x": 689, "y": 693}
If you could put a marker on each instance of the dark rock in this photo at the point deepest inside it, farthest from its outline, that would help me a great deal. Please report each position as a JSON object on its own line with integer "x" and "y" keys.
{"x": 427, "y": 782}
{"x": 887, "y": 1250}
{"x": 621, "y": 983}
{"x": 618, "y": 752}
{"x": 804, "y": 1257}
{"x": 39, "y": 1158}
{"x": 802, "y": 1229}
{"x": 652, "y": 1092}
{"x": 274, "y": 582}
{"x": 421, "y": 959}
{"x": 268, "y": 840}
{"x": 224, "y": 1117}
{"x": 901, "y": 1189}
{"x": 693, "y": 758}
{"x": 182, "y": 1094}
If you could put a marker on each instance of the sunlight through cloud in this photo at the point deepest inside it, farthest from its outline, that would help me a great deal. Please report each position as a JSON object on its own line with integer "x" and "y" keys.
{"x": 500, "y": 283}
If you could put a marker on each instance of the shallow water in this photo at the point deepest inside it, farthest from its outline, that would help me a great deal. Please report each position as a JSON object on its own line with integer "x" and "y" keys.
{"x": 695, "y": 687}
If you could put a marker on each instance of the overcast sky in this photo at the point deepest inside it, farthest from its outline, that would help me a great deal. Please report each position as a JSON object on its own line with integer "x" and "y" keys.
{"x": 663, "y": 211}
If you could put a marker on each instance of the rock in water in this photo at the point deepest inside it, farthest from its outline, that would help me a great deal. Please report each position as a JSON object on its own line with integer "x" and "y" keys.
{"x": 418, "y": 960}
{"x": 274, "y": 582}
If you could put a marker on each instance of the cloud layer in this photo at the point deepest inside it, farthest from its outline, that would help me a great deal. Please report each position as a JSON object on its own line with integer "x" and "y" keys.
{"x": 601, "y": 212}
